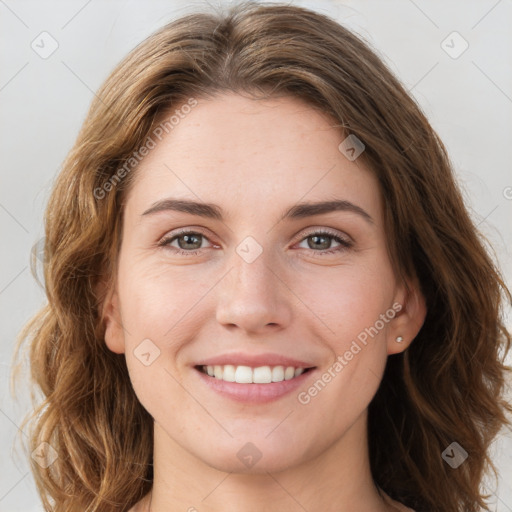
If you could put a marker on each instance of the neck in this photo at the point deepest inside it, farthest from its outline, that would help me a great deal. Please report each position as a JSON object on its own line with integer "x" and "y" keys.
{"x": 340, "y": 475}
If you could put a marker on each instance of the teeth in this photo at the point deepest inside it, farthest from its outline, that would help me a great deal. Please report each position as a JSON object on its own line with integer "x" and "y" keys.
{"x": 243, "y": 375}
{"x": 248, "y": 375}
{"x": 262, "y": 375}
{"x": 277, "y": 374}
{"x": 289, "y": 373}
{"x": 229, "y": 373}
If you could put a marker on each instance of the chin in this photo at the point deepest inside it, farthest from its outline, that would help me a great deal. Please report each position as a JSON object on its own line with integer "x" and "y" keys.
{"x": 252, "y": 457}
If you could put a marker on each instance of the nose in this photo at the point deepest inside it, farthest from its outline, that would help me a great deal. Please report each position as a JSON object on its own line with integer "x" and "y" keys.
{"x": 253, "y": 296}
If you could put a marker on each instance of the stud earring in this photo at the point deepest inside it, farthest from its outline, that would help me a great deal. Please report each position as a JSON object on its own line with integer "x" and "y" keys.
{"x": 399, "y": 339}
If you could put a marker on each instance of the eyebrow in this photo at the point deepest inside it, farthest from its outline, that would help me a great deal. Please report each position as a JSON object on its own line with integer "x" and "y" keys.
{"x": 298, "y": 211}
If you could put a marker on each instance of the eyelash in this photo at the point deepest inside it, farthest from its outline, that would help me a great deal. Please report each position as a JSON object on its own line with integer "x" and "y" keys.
{"x": 344, "y": 244}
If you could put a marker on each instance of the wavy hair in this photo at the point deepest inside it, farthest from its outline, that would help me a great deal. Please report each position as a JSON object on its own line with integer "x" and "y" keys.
{"x": 449, "y": 385}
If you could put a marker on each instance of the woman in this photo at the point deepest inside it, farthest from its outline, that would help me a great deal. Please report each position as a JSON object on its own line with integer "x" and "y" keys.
{"x": 264, "y": 289}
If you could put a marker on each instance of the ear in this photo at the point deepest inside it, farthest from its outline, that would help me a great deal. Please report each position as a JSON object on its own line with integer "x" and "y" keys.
{"x": 114, "y": 334}
{"x": 409, "y": 319}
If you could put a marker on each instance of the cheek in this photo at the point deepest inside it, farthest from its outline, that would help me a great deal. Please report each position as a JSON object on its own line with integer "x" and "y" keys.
{"x": 156, "y": 299}
{"x": 349, "y": 301}
{"x": 156, "y": 312}
{"x": 355, "y": 303}
{"x": 355, "y": 309}
{"x": 161, "y": 313}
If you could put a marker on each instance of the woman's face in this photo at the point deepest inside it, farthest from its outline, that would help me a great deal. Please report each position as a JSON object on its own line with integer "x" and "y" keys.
{"x": 256, "y": 284}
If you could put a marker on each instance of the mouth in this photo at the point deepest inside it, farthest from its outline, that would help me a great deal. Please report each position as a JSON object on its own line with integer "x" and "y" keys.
{"x": 253, "y": 378}
{"x": 253, "y": 385}
{"x": 252, "y": 375}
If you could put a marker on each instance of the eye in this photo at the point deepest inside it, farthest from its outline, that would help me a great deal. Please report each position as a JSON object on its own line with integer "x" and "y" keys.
{"x": 320, "y": 241}
{"x": 188, "y": 242}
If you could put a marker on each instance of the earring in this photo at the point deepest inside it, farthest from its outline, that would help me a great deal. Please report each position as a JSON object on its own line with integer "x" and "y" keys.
{"x": 399, "y": 339}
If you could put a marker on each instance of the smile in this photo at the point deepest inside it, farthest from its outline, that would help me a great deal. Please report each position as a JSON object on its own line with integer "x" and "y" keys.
{"x": 247, "y": 375}
{"x": 252, "y": 385}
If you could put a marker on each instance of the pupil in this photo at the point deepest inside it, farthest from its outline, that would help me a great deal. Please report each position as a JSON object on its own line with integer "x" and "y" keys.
{"x": 316, "y": 238}
{"x": 187, "y": 239}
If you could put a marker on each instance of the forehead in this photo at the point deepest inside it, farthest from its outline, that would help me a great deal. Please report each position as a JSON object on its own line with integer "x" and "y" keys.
{"x": 241, "y": 151}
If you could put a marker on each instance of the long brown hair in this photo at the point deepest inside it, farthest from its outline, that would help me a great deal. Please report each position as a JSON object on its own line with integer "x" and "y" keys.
{"x": 448, "y": 385}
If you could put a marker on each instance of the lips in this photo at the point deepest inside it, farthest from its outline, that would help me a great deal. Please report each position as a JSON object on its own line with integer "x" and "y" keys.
{"x": 253, "y": 378}
{"x": 253, "y": 393}
{"x": 254, "y": 360}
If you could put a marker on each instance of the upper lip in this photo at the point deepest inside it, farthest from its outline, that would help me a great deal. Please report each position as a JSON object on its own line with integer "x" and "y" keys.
{"x": 254, "y": 360}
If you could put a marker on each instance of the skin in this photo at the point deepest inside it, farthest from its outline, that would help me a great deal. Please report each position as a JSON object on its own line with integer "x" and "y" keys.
{"x": 255, "y": 159}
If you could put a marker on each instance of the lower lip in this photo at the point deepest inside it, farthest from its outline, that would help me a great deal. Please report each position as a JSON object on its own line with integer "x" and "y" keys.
{"x": 254, "y": 393}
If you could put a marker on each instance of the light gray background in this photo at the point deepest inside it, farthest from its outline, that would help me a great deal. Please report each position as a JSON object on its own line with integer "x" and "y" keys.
{"x": 43, "y": 103}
